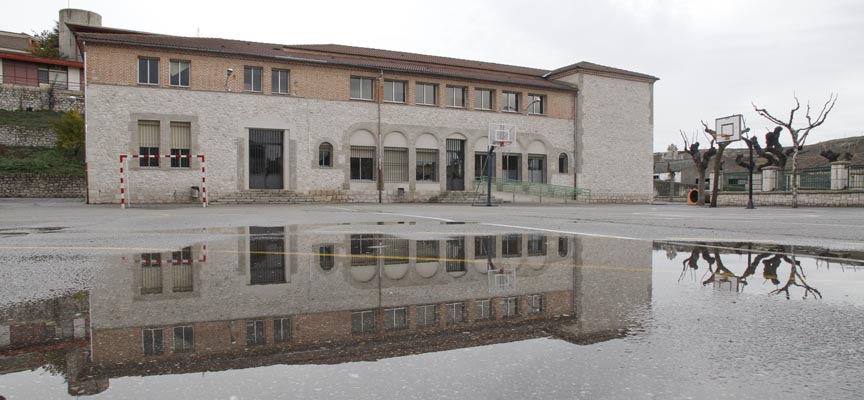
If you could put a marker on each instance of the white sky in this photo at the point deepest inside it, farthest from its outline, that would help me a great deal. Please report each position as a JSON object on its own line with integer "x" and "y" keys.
{"x": 712, "y": 57}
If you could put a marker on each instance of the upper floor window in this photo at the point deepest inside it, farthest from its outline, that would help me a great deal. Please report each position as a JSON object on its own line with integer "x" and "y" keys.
{"x": 510, "y": 102}
{"x": 425, "y": 94}
{"x": 148, "y": 71}
{"x": 455, "y": 96}
{"x": 483, "y": 99}
{"x": 537, "y": 104}
{"x": 362, "y": 88}
{"x": 280, "y": 81}
{"x": 179, "y": 73}
{"x": 394, "y": 91}
{"x": 252, "y": 79}
{"x": 55, "y": 76}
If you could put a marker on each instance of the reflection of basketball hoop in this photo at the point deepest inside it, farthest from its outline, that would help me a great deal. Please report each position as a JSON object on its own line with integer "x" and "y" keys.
{"x": 501, "y": 279}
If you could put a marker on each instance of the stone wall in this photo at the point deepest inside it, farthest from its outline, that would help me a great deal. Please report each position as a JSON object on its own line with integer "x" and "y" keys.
{"x": 21, "y": 136}
{"x": 14, "y": 98}
{"x": 810, "y": 198}
{"x": 37, "y": 185}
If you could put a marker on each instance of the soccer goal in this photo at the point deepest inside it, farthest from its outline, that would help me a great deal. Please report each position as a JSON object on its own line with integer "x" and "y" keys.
{"x": 124, "y": 166}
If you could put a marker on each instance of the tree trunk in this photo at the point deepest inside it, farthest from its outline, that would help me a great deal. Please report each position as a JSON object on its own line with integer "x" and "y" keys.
{"x": 794, "y": 175}
{"x": 718, "y": 159}
{"x": 702, "y": 187}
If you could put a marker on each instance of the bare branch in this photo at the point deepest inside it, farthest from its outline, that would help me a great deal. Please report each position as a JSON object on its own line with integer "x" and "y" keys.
{"x": 708, "y": 130}
{"x": 763, "y": 112}
{"x": 792, "y": 113}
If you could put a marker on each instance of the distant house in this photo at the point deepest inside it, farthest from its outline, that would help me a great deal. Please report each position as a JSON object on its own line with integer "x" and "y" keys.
{"x": 19, "y": 67}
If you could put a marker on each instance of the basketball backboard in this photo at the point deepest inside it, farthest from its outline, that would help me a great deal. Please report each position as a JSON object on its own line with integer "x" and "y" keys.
{"x": 728, "y": 129}
{"x": 501, "y": 135}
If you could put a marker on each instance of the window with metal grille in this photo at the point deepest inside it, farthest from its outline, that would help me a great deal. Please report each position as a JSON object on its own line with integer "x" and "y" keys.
{"x": 184, "y": 339}
{"x": 396, "y": 318}
{"x": 536, "y": 168}
{"x": 267, "y": 255}
{"x": 536, "y": 245}
{"x": 562, "y": 164}
{"x": 255, "y": 333}
{"x": 510, "y": 102}
{"x": 181, "y": 270}
{"x": 252, "y": 79}
{"x": 509, "y": 307}
{"x": 427, "y": 315}
{"x": 535, "y": 303}
{"x": 325, "y": 155}
{"x": 425, "y": 94}
{"x": 395, "y": 164}
{"x": 281, "y": 329}
{"x": 148, "y": 71}
{"x": 427, "y": 250}
{"x": 455, "y": 313}
{"x": 325, "y": 257}
{"x": 362, "y": 88}
{"x": 427, "y": 165}
{"x": 484, "y": 247}
{"x": 456, "y": 96}
{"x": 362, "y": 163}
{"x": 483, "y": 99}
{"x": 563, "y": 246}
{"x": 151, "y": 339}
{"x": 148, "y": 143}
{"x": 179, "y": 71}
{"x": 511, "y": 246}
{"x": 363, "y": 321}
{"x": 181, "y": 136}
{"x": 394, "y": 91}
{"x": 279, "y": 81}
{"x": 512, "y": 167}
{"x": 151, "y": 273}
{"x": 396, "y": 251}
{"x": 537, "y": 104}
{"x": 362, "y": 253}
{"x": 482, "y": 309}
{"x": 456, "y": 255}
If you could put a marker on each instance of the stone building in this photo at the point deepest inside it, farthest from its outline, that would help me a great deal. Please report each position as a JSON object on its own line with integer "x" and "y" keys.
{"x": 335, "y": 120}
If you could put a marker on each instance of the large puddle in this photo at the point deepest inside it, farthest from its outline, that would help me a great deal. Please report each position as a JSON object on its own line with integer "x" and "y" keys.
{"x": 282, "y": 312}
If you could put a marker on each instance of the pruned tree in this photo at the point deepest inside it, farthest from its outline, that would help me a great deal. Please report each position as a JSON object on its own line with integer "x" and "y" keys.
{"x": 701, "y": 160}
{"x": 799, "y": 135}
{"x": 718, "y": 162}
{"x": 47, "y": 43}
{"x": 846, "y": 153}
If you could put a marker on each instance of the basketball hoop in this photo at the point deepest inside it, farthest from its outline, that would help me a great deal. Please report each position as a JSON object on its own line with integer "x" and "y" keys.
{"x": 728, "y": 129}
{"x": 501, "y": 135}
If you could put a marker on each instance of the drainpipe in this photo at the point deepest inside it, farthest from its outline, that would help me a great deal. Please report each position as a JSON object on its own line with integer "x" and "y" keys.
{"x": 380, "y": 180}
{"x": 575, "y": 119}
{"x": 86, "y": 108}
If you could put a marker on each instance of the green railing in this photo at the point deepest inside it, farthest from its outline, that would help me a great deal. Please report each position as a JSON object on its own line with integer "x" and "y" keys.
{"x": 737, "y": 182}
{"x": 808, "y": 179}
{"x": 856, "y": 177}
{"x": 533, "y": 188}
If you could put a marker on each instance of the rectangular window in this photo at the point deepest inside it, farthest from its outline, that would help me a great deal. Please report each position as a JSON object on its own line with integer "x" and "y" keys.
{"x": 280, "y": 81}
{"x": 184, "y": 339}
{"x": 456, "y": 96}
{"x": 148, "y": 71}
{"x": 509, "y": 307}
{"x": 362, "y": 253}
{"x": 148, "y": 143}
{"x": 536, "y": 245}
{"x": 427, "y": 250}
{"x": 482, "y": 310}
{"x": 427, "y": 165}
{"x": 483, "y": 99}
{"x": 252, "y": 79}
{"x": 481, "y": 168}
{"x": 181, "y": 270}
{"x": 151, "y": 273}
{"x": 455, "y": 313}
{"x": 395, "y": 164}
{"x": 396, "y": 318}
{"x": 179, "y": 73}
{"x": 362, "y": 88}
{"x": 152, "y": 341}
{"x": 456, "y": 255}
{"x": 363, "y": 321}
{"x": 55, "y": 76}
{"x": 426, "y": 94}
{"x": 537, "y": 104}
{"x": 535, "y": 304}
{"x": 396, "y": 251}
{"x": 255, "y": 333}
{"x": 281, "y": 329}
{"x": 484, "y": 247}
{"x": 427, "y": 315}
{"x": 362, "y": 163}
{"x": 181, "y": 136}
{"x": 536, "y": 168}
{"x": 512, "y": 167}
{"x": 510, "y": 102}
{"x": 394, "y": 91}
{"x": 511, "y": 246}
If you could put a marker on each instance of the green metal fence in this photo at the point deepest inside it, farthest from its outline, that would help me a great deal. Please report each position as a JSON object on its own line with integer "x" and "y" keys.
{"x": 856, "y": 177}
{"x": 536, "y": 189}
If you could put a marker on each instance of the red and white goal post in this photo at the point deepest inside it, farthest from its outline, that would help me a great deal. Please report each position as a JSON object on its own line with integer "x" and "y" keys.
{"x": 124, "y": 166}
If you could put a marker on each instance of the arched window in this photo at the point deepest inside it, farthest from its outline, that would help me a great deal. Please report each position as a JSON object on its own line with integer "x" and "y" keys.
{"x": 325, "y": 257}
{"x": 325, "y": 155}
{"x": 562, "y": 164}
{"x": 563, "y": 246}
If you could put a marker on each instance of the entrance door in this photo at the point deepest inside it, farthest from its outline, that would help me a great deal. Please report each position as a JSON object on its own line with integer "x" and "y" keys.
{"x": 455, "y": 164}
{"x": 265, "y": 159}
{"x": 536, "y": 169}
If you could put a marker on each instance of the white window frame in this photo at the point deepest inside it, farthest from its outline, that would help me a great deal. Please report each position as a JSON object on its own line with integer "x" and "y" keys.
{"x": 487, "y": 107}
{"x": 505, "y": 104}
{"x": 277, "y": 72}
{"x": 393, "y": 311}
{"x": 430, "y": 315}
{"x": 149, "y": 60}
{"x": 464, "y": 91}
{"x": 537, "y": 104}
{"x": 486, "y": 306}
{"x": 260, "y": 79}
{"x": 431, "y": 86}
{"x": 364, "y": 316}
{"x": 361, "y": 79}
{"x": 171, "y": 64}
{"x": 392, "y": 91}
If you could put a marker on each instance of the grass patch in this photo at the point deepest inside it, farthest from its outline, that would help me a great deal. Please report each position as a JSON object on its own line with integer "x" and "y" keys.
{"x": 29, "y": 119}
{"x": 38, "y": 160}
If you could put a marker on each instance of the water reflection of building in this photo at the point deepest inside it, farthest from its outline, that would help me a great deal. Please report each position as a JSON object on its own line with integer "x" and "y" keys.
{"x": 274, "y": 296}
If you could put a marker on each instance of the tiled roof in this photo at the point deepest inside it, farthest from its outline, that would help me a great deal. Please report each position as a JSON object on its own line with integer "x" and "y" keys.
{"x": 588, "y": 67}
{"x": 333, "y": 54}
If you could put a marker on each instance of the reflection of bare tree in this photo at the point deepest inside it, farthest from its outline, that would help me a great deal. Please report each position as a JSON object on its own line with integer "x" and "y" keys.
{"x": 796, "y": 278}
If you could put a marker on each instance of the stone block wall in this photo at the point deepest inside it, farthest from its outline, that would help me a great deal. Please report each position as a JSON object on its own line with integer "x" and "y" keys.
{"x": 14, "y": 98}
{"x": 21, "y": 136}
{"x": 814, "y": 198}
{"x": 37, "y": 185}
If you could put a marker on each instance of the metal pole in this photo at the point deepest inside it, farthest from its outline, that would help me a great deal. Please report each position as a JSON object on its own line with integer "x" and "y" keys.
{"x": 489, "y": 156}
{"x": 750, "y": 179}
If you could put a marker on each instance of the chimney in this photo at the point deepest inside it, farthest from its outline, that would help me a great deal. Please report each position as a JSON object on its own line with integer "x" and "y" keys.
{"x": 68, "y": 47}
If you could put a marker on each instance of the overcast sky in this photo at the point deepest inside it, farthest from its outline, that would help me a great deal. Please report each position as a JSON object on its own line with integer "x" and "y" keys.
{"x": 712, "y": 57}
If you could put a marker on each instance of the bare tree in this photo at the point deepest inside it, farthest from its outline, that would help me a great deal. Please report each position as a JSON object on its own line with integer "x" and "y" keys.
{"x": 846, "y": 152}
{"x": 701, "y": 160}
{"x": 799, "y": 135}
{"x": 718, "y": 162}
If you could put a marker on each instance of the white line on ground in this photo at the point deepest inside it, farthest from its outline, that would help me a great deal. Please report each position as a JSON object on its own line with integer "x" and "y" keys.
{"x": 560, "y": 231}
{"x": 420, "y": 216}
{"x": 342, "y": 208}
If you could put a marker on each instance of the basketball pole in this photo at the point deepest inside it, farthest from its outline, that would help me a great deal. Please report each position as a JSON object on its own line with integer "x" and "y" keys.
{"x": 489, "y": 156}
